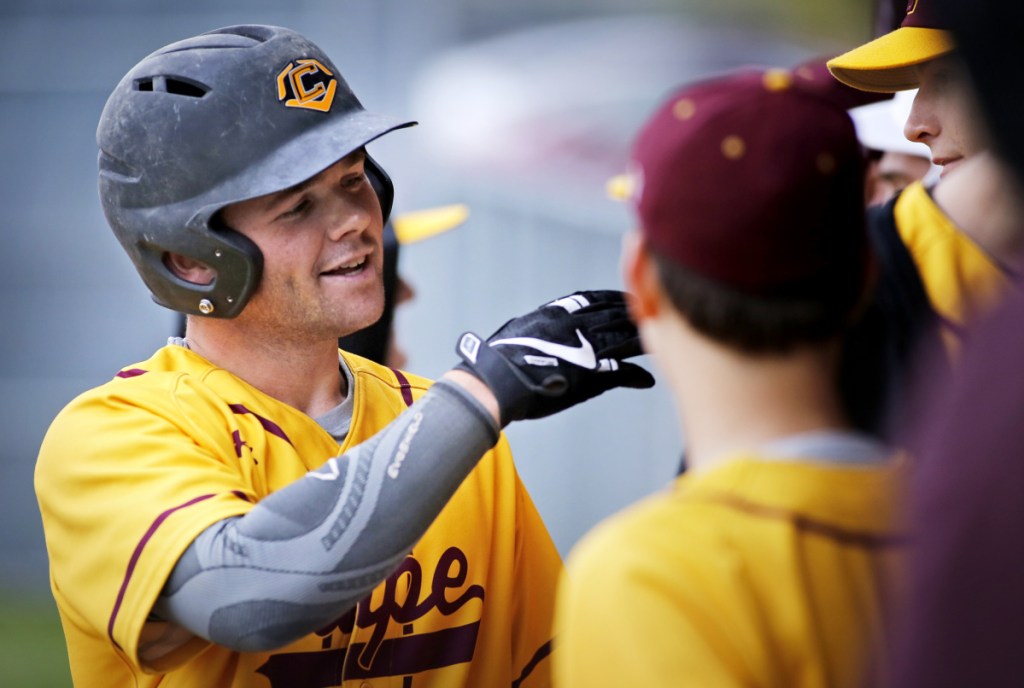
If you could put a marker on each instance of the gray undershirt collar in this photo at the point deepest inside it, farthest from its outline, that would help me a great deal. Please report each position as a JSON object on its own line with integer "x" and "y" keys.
{"x": 338, "y": 420}
{"x": 827, "y": 446}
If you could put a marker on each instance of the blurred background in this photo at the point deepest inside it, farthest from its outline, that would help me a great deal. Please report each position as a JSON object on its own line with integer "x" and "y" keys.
{"x": 526, "y": 108}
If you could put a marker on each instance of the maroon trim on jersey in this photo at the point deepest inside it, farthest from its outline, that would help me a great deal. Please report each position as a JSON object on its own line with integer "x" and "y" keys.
{"x": 404, "y": 386}
{"x": 542, "y": 652}
{"x": 236, "y": 437}
{"x": 268, "y": 425}
{"x": 802, "y": 522}
{"x": 131, "y": 372}
{"x": 135, "y": 560}
{"x": 403, "y": 656}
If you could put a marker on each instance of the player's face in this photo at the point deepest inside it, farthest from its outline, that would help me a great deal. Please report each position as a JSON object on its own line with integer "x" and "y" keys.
{"x": 944, "y": 115}
{"x": 322, "y": 254}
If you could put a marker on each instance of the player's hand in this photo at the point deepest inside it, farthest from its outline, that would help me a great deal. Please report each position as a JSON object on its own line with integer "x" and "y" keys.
{"x": 557, "y": 356}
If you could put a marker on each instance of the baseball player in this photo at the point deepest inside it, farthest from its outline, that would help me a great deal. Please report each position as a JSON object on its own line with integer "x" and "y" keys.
{"x": 963, "y": 262}
{"x": 250, "y": 506}
{"x": 946, "y": 254}
{"x": 964, "y": 619}
{"x": 768, "y": 562}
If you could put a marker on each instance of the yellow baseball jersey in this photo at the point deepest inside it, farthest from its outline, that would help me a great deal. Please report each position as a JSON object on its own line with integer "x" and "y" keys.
{"x": 132, "y": 471}
{"x": 755, "y": 573}
{"x": 961, "y": 280}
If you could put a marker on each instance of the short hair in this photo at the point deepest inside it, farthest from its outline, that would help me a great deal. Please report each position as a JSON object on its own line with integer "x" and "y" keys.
{"x": 757, "y": 325}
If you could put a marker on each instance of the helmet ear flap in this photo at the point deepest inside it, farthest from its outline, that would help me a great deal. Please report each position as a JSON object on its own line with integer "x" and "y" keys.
{"x": 382, "y": 184}
{"x": 236, "y": 259}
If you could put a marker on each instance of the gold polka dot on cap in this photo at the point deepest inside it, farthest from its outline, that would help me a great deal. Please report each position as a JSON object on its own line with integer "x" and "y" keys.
{"x": 733, "y": 147}
{"x": 684, "y": 108}
{"x": 777, "y": 80}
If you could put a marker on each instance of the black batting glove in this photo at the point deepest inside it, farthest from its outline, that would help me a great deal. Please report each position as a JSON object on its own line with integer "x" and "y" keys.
{"x": 557, "y": 356}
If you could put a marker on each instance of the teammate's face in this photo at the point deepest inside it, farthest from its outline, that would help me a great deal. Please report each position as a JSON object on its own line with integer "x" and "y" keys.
{"x": 322, "y": 254}
{"x": 944, "y": 115}
{"x": 893, "y": 172}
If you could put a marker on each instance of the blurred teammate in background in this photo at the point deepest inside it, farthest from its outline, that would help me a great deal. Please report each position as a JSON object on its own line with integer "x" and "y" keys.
{"x": 945, "y": 258}
{"x": 963, "y": 260}
{"x": 894, "y": 162}
{"x": 965, "y": 618}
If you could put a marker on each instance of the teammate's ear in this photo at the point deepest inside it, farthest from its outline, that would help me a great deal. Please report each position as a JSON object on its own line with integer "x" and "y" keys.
{"x": 189, "y": 269}
{"x": 640, "y": 276}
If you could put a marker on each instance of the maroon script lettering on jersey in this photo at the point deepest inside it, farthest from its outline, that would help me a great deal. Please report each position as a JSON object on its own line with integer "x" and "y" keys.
{"x": 404, "y": 656}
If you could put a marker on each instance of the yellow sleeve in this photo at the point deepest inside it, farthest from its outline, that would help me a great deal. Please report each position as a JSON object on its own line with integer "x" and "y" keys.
{"x": 123, "y": 489}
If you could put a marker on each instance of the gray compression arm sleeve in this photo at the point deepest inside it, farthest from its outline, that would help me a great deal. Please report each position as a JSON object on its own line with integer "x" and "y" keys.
{"x": 308, "y": 552}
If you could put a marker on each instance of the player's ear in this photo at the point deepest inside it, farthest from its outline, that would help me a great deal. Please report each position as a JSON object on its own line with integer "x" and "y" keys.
{"x": 640, "y": 275}
{"x": 189, "y": 269}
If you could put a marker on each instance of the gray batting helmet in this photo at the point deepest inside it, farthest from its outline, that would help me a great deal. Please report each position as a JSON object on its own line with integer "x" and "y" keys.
{"x": 225, "y": 116}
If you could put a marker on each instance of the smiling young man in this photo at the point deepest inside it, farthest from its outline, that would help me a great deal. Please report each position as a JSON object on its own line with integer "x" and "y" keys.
{"x": 251, "y": 506}
{"x": 322, "y": 264}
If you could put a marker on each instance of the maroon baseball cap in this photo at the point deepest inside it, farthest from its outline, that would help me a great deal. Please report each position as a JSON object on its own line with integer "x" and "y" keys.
{"x": 889, "y": 63}
{"x": 756, "y": 183}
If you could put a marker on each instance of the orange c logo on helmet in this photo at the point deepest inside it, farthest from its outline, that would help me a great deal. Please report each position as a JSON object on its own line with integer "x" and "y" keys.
{"x": 306, "y": 84}
{"x": 912, "y": 6}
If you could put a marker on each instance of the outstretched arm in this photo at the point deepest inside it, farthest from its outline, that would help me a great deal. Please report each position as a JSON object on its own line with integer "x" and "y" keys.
{"x": 306, "y": 554}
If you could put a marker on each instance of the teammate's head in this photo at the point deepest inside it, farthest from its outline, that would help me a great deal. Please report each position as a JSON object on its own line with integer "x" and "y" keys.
{"x": 893, "y": 161}
{"x": 749, "y": 194}
{"x": 921, "y": 54}
{"x": 226, "y": 116}
{"x": 945, "y": 115}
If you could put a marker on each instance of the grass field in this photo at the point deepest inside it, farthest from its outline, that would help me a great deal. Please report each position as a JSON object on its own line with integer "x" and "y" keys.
{"x": 32, "y": 651}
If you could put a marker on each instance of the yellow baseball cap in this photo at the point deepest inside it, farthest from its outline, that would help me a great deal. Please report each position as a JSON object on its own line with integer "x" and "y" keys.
{"x": 418, "y": 225}
{"x": 889, "y": 63}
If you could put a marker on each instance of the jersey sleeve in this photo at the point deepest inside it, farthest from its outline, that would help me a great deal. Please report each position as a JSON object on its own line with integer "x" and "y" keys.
{"x": 125, "y": 480}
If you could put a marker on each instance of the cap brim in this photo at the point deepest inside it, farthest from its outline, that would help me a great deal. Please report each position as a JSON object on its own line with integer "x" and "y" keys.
{"x": 422, "y": 224}
{"x": 889, "y": 63}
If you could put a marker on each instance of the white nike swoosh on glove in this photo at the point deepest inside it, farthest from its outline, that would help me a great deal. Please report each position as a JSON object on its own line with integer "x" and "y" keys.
{"x": 571, "y": 304}
{"x": 582, "y": 355}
